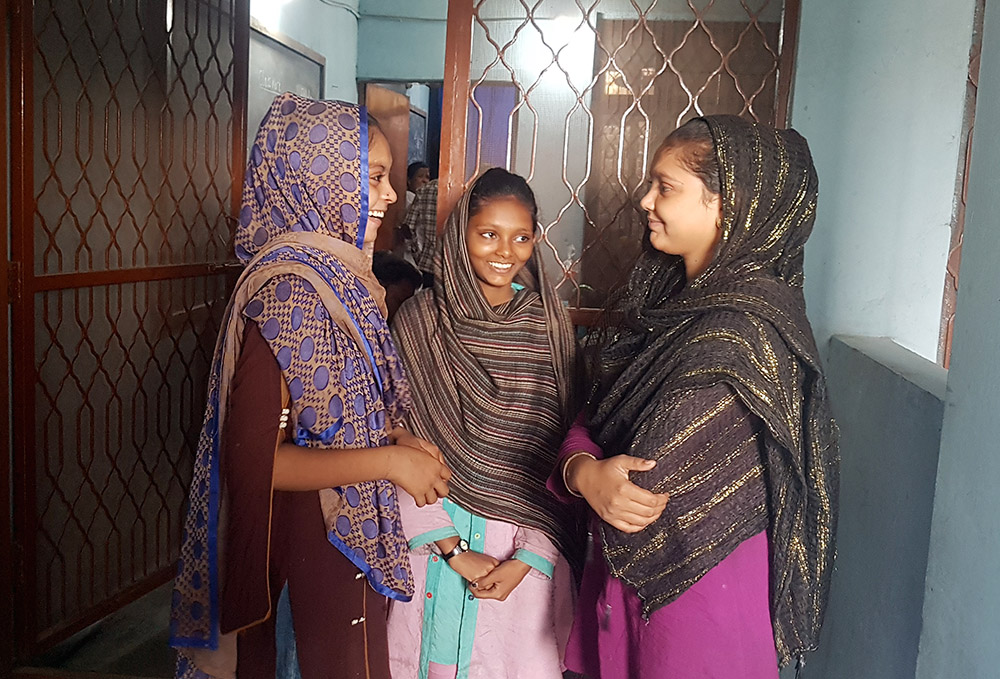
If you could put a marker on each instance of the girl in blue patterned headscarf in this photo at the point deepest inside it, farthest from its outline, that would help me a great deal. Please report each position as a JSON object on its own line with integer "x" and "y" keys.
{"x": 304, "y": 343}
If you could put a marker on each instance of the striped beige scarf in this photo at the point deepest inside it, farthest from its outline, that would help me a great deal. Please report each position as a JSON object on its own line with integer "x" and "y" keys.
{"x": 492, "y": 387}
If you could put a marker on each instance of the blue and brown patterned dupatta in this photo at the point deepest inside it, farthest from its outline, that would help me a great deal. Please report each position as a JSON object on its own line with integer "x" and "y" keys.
{"x": 309, "y": 287}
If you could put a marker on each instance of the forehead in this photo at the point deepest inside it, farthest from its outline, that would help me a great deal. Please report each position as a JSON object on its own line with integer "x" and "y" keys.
{"x": 378, "y": 150}
{"x": 669, "y": 162}
{"x": 506, "y": 211}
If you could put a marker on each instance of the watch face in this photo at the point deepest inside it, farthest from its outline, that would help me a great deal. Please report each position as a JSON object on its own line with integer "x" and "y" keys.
{"x": 464, "y": 545}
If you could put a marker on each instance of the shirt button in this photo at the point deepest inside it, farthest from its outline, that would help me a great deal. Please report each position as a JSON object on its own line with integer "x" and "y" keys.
{"x": 477, "y": 536}
{"x": 472, "y": 597}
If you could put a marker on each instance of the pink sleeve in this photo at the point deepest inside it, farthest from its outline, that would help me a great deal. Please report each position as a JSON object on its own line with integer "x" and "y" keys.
{"x": 423, "y": 525}
{"x": 577, "y": 440}
{"x": 534, "y": 548}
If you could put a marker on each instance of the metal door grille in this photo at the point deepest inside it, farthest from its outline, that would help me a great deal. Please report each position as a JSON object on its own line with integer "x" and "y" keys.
{"x": 597, "y": 84}
{"x": 127, "y": 162}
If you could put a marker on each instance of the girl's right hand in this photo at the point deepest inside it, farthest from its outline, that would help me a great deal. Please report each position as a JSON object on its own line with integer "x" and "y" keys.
{"x": 606, "y": 487}
{"x": 420, "y": 473}
{"x": 473, "y": 565}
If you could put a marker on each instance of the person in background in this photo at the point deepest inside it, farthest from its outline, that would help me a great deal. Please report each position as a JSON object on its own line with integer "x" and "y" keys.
{"x": 708, "y": 452}
{"x": 417, "y": 176}
{"x": 418, "y": 230}
{"x": 490, "y": 353}
{"x": 399, "y": 278}
{"x": 292, "y": 542}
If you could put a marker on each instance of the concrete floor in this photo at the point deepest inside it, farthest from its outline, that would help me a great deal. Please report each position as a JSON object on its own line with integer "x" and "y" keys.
{"x": 130, "y": 642}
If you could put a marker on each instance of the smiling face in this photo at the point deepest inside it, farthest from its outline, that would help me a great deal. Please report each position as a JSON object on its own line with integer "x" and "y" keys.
{"x": 683, "y": 214}
{"x": 500, "y": 239}
{"x": 380, "y": 192}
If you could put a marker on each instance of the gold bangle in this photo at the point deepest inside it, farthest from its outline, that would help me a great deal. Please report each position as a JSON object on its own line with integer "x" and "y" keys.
{"x": 566, "y": 466}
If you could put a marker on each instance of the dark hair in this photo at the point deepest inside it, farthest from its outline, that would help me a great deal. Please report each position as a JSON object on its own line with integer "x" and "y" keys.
{"x": 499, "y": 183}
{"x": 413, "y": 168}
{"x": 373, "y": 124}
{"x": 389, "y": 268}
{"x": 696, "y": 149}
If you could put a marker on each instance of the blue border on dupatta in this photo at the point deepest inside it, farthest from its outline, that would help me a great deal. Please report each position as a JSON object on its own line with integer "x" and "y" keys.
{"x": 388, "y": 592}
{"x": 215, "y": 499}
{"x": 363, "y": 143}
{"x": 212, "y": 531}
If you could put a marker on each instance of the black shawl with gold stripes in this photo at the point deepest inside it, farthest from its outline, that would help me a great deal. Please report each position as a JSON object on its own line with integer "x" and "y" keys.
{"x": 741, "y": 323}
{"x": 493, "y": 387}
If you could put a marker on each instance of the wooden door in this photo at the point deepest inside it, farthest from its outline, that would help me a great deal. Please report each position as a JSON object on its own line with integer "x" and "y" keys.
{"x": 392, "y": 110}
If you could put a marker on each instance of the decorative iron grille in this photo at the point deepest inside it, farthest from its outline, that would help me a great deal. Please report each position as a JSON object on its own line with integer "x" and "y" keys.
{"x": 130, "y": 134}
{"x": 576, "y": 94}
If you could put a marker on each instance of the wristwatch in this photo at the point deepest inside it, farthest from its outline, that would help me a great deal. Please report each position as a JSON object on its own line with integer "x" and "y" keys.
{"x": 462, "y": 546}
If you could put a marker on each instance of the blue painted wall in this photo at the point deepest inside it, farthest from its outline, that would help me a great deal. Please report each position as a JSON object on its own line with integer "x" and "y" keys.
{"x": 889, "y": 404}
{"x": 402, "y": 40}
{"x": 879, "y": 93}
{"x": 962, "y": 610}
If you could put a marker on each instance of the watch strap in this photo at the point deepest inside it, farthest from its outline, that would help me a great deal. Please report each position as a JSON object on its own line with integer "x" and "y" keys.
{"x": 460, "y": 547}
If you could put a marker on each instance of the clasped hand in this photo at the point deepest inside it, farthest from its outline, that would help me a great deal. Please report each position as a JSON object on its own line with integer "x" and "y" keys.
{"x": 419, "y": 467}
{"x": 487, "y": 577}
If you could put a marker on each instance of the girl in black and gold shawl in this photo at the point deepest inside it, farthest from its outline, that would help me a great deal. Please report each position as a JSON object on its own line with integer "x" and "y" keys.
{"x": 710, "y": 392}
{"x": 489, "y": 353}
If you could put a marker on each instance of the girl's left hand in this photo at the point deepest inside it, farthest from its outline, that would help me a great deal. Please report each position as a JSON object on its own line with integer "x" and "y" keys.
{"x": 501, "y": 581}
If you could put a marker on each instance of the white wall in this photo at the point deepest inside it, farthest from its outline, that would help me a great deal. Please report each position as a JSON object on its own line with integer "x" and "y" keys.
{"x": 419, "y": 96}
{"x": 329, "y": 27}
{"x": 879, "y": 94}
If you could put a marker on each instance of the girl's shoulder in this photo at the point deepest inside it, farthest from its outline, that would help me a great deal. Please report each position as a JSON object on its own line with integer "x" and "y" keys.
{"x": 417, "y": 309}
{"x": 281, "y": 295}
{"x": 288, "y": 308}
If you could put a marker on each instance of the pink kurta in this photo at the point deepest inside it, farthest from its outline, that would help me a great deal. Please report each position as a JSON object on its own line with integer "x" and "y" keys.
{"x": 446, "y": 633}
{"x": 719, "y": 628}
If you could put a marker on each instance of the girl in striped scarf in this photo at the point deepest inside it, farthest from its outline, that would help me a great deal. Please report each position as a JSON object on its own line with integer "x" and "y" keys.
{"x": 489, "y": 353}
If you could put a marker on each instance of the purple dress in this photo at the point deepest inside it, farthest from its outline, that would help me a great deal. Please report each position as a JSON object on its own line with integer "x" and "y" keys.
{"x": 717, "y": 629}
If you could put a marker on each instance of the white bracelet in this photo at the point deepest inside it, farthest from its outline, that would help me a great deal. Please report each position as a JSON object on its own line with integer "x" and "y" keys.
{"x": 566, "y": 466}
